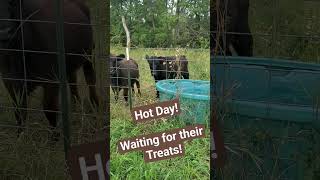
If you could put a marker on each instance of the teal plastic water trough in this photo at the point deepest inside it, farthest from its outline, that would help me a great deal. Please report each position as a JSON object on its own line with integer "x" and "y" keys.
{"x": 271, "y": 118}
{"x": 194, "y": 96}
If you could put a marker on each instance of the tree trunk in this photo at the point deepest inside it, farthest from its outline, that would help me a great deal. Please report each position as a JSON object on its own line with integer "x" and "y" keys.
{"x": 177, "y": 23}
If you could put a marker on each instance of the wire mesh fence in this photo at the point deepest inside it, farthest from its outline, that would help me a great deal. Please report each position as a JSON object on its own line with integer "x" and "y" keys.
{"x": 122, "y": 124}
{"x": 46, "y": 102}
{"x": 164, "y": 38}
{"x": 154, "y": 65}
{"x": 266, "y": 93}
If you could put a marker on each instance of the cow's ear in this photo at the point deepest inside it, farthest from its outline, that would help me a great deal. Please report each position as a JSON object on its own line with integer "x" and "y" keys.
{"x": 122, "y": 56}
{"x": 161, "y": 60}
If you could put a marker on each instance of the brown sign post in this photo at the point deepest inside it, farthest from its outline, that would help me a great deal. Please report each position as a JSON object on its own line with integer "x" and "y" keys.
{"x": 89, "y": 161}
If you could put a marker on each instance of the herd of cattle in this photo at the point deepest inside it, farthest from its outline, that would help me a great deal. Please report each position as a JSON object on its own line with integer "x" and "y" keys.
{"x": 32, "y": 62}
{"x": 161, "y": 67}
{"x": 24, "y": 71}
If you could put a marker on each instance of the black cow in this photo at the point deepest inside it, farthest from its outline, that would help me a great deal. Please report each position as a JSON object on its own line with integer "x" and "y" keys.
{"x": 238, "y": 40}
{"x": 168, "y": 67}
{"x": 39, "y": 68}
{"x": 120, "y": 75}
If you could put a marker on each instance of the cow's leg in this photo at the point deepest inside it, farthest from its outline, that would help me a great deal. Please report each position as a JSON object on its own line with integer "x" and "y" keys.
{"x": 157, "y": 95}
{"x": 19, "y": 97}
{"x": 113, "y": 87}
{"x": 185, "y": 75}
{"x": 244, "y": 42}
{"x": 51, "y": 106}
{"x": 125, "y": 94}
{"x": 90, "y": 77}
{"x": 116, "y": 92}
{"x": 138, "y": 87}
{"x": 229, "y": 41}
{"x": 73, "y": 85}
{"x": 244, "y": 45}
{"x": 132, "y": 86}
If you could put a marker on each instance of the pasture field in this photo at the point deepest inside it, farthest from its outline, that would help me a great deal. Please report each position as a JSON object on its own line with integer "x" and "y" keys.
{"x": 33, "y": 157}
{"x": 195, "y": 163}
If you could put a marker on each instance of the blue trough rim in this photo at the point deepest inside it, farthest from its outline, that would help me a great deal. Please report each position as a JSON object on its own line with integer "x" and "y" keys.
{"x": 185, "y": 95}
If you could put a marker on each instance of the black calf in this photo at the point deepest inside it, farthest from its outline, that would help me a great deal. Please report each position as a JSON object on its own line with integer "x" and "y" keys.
{"x": 168, "y": 67}
{"x": 120, "y": 75}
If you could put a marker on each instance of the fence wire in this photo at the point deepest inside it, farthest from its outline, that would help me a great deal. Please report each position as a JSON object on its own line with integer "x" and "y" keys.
{"x": 163, "y": 64}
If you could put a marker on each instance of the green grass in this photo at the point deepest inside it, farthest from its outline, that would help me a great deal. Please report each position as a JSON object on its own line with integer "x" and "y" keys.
{"x": 195, "y": 163}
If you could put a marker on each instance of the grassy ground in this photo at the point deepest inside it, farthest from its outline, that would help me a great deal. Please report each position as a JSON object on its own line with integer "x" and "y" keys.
{"x": 195, "y": 164}
{"x": 33, "y": 156}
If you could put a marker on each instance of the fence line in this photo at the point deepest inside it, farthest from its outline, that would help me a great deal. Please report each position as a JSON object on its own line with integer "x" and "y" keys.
{"x": 52, "y": 22}
{"x": 168, "y": 70}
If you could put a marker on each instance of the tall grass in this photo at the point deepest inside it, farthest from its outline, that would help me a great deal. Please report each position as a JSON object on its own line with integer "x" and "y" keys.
{"x": 32, "y": 156}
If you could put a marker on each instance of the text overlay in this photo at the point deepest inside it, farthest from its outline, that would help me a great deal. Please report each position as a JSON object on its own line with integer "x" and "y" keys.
{"x": 155, "y": 111}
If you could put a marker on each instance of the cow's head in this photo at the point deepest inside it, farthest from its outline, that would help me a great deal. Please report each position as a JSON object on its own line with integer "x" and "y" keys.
{"x": 155, "y": 64}
{"x": 114, "y": 63}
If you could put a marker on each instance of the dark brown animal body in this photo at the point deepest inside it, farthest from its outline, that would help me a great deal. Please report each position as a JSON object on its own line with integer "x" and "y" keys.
{"x": 168, "y": 67}
{"x": 238, "y": 40}
{"x": 120, "y": 68}
{"x": 40, "y": 69}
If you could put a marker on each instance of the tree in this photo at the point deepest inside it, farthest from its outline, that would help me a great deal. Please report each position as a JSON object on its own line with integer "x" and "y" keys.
{"x": 161, "y": 23}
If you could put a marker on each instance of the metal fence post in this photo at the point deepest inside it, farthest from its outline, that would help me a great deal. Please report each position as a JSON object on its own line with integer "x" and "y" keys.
{"x": 62, "y": 75}
{"x": 101, "y": 57}
{"x": 129, "y": 88}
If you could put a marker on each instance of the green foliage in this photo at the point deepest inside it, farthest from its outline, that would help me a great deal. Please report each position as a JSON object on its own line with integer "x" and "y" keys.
{"x": 166, "y": 23}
